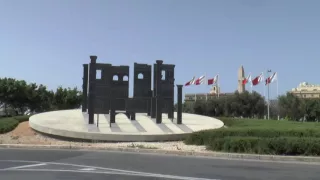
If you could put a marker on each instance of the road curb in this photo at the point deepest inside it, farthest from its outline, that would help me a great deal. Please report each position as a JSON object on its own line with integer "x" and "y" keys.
{"x": 310, "y": 159}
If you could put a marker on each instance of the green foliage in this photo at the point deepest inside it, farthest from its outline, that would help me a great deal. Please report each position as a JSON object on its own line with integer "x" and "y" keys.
{"x": 66, "y": 98}
{"x": 8, "y": 124}
{"x": 268, "y": 124}
{"x": 237, "y": 105}
{"x": 253, "y": 105}
{"x": 274, "y": 146}
{"x": 261, "y": 136}
{"x": 20, "y": 96}
{"x": 294, "y": 108}
{"x": 212, "y": 135}
{"x": 22, "y": 118}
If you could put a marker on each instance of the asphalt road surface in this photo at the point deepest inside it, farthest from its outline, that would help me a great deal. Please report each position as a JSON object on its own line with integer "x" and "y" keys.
{"x": 105, "y": 165}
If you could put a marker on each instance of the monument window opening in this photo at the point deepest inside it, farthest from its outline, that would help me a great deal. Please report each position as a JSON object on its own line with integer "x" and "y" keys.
{"x": 125, "y": 78}
{"x": 98, "y": 74}
{"x": 163, "y": 75}
{"x": 115, "y": 78}
{"x": 140, "y": 76}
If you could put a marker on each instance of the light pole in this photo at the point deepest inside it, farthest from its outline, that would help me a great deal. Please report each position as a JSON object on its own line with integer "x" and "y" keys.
{"x": 268, "y": 93}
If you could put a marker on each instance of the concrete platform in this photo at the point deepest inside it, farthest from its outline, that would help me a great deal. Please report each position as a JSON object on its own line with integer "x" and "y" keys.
{"x": 74, "y": 124}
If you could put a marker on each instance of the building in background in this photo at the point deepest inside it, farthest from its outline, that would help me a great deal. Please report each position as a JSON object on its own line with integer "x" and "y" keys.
{"x": 306, "y": 90}
{"x": 214, "y": 91}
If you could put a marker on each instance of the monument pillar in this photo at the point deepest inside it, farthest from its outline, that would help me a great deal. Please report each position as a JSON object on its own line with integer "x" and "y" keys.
{"x": 241, "y": 77}
{"x": 158, "y": 92}
{"x": 92, "y": 88}
{"x": 85, "y": 88}
{"x": 179, "y": 109}
{"x": 112, "y": 115}
{"x": 171, "y": 109}
{"x": 153, "y": 104}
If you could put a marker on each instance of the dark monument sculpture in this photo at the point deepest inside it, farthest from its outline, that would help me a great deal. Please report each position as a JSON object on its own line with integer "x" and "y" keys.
{"x": 106, "y": 91}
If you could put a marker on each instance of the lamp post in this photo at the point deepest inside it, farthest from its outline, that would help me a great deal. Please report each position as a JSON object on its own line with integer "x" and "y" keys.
{"x": 268, "y": 94}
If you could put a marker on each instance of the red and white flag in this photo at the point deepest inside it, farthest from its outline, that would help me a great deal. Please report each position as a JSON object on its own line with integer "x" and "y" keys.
{"x": 271, "y": 78}
{"x": 192, "y": 81}
{"x": 200, "y": 80}
{"x": 246, "y": 80}
{"x": 257, "y": 80}
{"x": 213, "y": 80}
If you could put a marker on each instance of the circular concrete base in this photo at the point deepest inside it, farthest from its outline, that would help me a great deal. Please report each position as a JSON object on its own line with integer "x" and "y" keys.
{"x": 74, "y": 124}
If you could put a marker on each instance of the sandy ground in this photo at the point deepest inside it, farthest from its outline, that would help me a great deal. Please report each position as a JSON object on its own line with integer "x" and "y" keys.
{"x": 23, "y": 134}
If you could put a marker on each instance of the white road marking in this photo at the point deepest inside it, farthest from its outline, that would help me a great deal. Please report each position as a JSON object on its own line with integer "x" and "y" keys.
{"x": 25, "y": 166}
{"x": 115, "y": 173}
{"x": 98, "y": 170}
{"x": 87, "y": 169}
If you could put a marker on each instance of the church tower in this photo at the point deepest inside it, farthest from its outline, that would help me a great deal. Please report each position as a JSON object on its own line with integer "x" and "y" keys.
{"x": 241, "y": 87}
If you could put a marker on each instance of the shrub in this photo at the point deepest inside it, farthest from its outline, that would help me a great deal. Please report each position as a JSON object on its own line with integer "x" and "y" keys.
{"x": 22, "y": 118}
{"x": 278, "y": 145}
{"x": 8, "y": 124}
{"x": 227, "y": 121}
{"x": 199, "y": 138}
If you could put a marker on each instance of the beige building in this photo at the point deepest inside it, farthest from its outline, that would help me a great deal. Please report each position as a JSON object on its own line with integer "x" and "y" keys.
{"x": 205, "y": 96}
{"x": 306, "y": 90}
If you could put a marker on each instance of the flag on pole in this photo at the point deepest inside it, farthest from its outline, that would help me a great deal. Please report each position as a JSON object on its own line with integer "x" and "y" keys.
{"x": 272, "y": 78}
{"x": 200, "y": 80}
{"x": 192, "y": 81}
{"x": 213, "y": 80}
{"x": 246, "y": 80}
{"x": 257, "y": 80}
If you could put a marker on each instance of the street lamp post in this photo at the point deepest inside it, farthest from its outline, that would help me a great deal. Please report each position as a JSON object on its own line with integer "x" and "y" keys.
{"x": 268, "y": 95}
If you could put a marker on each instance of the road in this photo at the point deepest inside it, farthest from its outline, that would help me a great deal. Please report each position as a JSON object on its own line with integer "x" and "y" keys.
{"x": 102, "y": 165}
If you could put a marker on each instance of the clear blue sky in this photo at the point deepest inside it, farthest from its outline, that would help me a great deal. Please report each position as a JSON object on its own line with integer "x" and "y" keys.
{"x": 47, "y": 41}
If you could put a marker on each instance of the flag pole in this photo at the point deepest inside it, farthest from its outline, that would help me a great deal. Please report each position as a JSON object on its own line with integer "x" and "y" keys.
{"x": 251, "y": 85}
{"x": 278, "y": 92}
{"x": 264, "y": 89}
{"x": 264, "y": 92}
{"x": 277, "y": 85}
{"x": 218, "y": 86}
{"x": 206, "y": 83}
{"x": 251, "y": 82}
{"x": 268, "y": 95}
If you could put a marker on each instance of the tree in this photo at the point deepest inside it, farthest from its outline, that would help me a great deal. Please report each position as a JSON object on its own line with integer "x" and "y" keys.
{"x": 237, "y": 105}
{"x": 258, "y": 105}
{"x": 294, "y": 108}
{"x": 67, "y": 98}
{"x": 20, "y": 96}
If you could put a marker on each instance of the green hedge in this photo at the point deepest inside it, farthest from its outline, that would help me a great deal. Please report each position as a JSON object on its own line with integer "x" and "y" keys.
{"x": 22, "y": 118}
{"x": 8, "y": 124}
{"x": 201, "y": 137}
{"x": 270, "y": 124}
{"x": 261, "y": 136}
{"x": 274, "y": 146}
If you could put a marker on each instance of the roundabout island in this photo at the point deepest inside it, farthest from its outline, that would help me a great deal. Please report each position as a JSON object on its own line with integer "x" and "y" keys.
{"x": 109, "y": 114}
{"x": 74, "y": 124}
